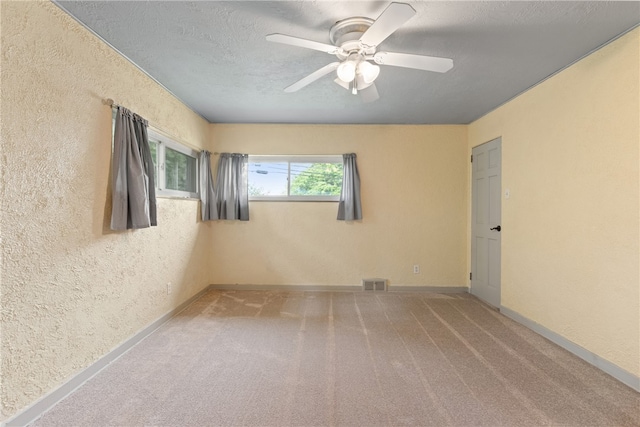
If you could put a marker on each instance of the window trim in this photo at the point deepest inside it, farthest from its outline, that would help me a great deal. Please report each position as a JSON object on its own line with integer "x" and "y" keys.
{"x": 164, "y": 143}
{"x": 295, "y": 158}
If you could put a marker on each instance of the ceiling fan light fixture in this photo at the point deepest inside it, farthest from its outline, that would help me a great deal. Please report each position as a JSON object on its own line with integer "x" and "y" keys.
{"x": 347, "y": 71}
{"x": 369, "y": 71}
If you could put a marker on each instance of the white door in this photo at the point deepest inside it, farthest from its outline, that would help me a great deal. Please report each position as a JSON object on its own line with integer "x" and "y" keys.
{"x": 485, "y": 221}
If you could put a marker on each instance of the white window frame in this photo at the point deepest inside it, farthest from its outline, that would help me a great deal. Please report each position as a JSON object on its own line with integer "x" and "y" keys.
{"x": 308, "y": 158}
{"x": 165, "y": 142}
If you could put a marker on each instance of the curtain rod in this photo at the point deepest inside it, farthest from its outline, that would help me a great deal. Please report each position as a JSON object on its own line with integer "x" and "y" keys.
{"x": 111, "y": 103}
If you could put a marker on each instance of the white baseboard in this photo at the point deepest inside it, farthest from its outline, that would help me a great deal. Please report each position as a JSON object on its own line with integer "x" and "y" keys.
{"x": 35, "y": 410}
{"x": 285, "y": 288}
{"x": 612, "y": 369}
{"x": 435, "y": 289}
{"x": 349, "y": 288}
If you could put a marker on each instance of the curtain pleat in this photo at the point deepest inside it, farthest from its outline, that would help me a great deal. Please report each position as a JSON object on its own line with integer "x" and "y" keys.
{"x": 133, "y": 187}
{"x": 232, "y": 196}
{"x": 207, "y": 191}
{"x": 350, "y": 207}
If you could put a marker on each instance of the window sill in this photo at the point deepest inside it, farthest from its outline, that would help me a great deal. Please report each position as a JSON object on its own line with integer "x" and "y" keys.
{"x": 293, "y": 199}
{"x": 166, "y": 196}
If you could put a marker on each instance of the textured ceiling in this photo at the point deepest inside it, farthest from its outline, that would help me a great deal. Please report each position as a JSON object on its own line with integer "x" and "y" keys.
{"x": 214, "y": 57}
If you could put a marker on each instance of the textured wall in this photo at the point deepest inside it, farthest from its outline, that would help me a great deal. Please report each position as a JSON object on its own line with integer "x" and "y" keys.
{"x": 71, "y": 290}
{"x": 414, "y": 206}
{"x": 570, "y": 253}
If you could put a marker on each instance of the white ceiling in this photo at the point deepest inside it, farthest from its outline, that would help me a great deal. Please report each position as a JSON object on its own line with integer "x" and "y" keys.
{"x": 214, "y": 57}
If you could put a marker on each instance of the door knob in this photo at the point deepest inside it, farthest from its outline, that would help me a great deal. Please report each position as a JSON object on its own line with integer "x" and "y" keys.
{"x": 497, "y": 228}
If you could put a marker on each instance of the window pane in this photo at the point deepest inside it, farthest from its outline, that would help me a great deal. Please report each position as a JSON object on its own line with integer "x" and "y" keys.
{"x": 180, "y": 171}
{"x": 153, "y": 147}
{"x": 316, "y": 179}
{"x": 268, "y": 179}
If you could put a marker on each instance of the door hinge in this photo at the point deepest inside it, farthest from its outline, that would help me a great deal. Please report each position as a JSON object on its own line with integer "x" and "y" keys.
{"x": 472, "y": 158}
{"x": 470, "y": 276}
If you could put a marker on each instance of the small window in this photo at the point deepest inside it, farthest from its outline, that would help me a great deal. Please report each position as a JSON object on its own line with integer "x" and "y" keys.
{"x": 175, "y": 171}
{"x": 295, "y": 178}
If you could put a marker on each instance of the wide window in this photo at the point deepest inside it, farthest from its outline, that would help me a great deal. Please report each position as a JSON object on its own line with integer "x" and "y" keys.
{"x": 176, "y": 173}
{"x": 295, "y": 178}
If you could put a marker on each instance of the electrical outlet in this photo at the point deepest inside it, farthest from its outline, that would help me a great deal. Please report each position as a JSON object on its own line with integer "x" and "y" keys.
{"x": 168, "y": 288}
{"x": 416, "y": 269}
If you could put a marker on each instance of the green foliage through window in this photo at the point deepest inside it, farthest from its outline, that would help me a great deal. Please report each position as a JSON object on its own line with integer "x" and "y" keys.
{"x": 295, "y": 177}
{"x": 323, "y": 179}
{"x": 180, "y": 173}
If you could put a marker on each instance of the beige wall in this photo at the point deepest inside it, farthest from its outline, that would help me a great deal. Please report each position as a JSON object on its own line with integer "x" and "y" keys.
{"x": 71, "y": 290}
{"x": 570, "y": 253}
{"x": 414, "y": 196}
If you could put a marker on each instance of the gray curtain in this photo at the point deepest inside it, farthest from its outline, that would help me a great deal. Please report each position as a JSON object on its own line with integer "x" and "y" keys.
{"x": 207, "y": 192}
{"x": 232, "y": 196}
{"x": 350, "y": 208}
{"x": 133, "y": 187}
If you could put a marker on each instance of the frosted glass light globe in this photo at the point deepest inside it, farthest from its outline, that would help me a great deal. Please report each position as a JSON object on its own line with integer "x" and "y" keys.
{"x": 369, "y": 71}
{"x": 347, "y": 71}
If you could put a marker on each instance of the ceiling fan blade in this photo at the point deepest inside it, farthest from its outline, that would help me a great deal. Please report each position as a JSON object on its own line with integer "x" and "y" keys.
{"x": 369, "y": 94}
{"x": 309, "y": 44}
{"x": 390, "y": 20}
{"x": 419, "y": 62}
{"x": 312, "y": 77}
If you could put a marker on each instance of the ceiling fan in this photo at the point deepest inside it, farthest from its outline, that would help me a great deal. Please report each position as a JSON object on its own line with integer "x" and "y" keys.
{"x": 355, "y": 42}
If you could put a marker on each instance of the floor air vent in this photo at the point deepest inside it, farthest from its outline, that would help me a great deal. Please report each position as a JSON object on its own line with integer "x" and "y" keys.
{"x": 379, "y": 285}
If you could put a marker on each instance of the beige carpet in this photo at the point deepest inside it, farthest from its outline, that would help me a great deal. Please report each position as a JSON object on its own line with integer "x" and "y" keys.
{"x": 262, "y": 358}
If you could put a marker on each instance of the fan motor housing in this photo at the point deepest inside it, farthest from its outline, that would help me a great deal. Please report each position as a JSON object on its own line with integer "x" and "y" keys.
{"x": 346, "y": 34}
